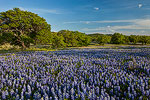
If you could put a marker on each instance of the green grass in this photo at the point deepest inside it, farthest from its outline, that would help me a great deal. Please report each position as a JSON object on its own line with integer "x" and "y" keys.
{"x": 11, "y": 49}
{"x": 114, "y": 46}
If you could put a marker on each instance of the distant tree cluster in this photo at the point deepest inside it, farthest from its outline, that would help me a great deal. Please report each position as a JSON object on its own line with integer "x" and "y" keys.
{"x": 100, "y": 38}
{"x": 66, "y": 38}
{"x": 118, "y": 38}
{"x": 24, "y": 28}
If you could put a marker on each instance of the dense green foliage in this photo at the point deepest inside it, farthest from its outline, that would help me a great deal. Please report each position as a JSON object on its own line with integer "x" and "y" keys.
{"x": 95, "y": 37}
{"x": 102, "y": 39}
{"x": 23, "y": 27}
{"x": 133, "y": 39}
{"x": 66, "y": 38}
{"x": 118, "y": 38}
{"x": 58, "y": 41}
{"x": 144, "y": 39}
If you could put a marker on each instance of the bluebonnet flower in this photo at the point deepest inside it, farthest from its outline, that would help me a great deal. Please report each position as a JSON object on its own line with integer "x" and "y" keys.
{"x": 72, "y": 97}
{"x": 3, "y": 95}
{"x": 12, "y": 92}
{"x": 67, "y": 95}
{"x": 60, "y": 94}
{"x": 82, "y": 96}
{"x": 46, "y": 97}
{"x": 22, "y": 97}
{"x": 17, "y": 97}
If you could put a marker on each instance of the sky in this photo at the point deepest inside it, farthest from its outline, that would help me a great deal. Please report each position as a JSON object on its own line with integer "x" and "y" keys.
{"x": 89, "y": 16}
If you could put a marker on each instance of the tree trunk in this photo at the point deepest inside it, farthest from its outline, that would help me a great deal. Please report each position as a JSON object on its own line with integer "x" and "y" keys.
{"x": 23, "y": 45}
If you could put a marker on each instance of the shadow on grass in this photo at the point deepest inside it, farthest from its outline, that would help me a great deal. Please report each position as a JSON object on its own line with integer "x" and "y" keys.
{"x": 8, "y": 51}
{"x": 5, "y": 51}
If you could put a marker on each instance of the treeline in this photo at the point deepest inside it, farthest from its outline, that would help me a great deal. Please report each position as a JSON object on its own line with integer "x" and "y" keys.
{"x": 24, "y": 28}
{"x": 118, "y": 38}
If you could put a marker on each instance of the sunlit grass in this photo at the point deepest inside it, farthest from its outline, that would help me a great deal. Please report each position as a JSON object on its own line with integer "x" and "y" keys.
{"x": 7, "y": 48}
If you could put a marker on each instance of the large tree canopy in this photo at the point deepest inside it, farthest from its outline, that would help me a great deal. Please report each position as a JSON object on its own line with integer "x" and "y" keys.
{"x": 23, "y": 28}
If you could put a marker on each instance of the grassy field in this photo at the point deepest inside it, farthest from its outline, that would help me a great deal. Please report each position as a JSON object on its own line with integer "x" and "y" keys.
{"x": 7, "y": 48}
{"x": 113, "y": 46}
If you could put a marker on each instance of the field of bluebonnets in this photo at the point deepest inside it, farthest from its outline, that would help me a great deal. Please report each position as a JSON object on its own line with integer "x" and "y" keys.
{"x": 78, "y": 74}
